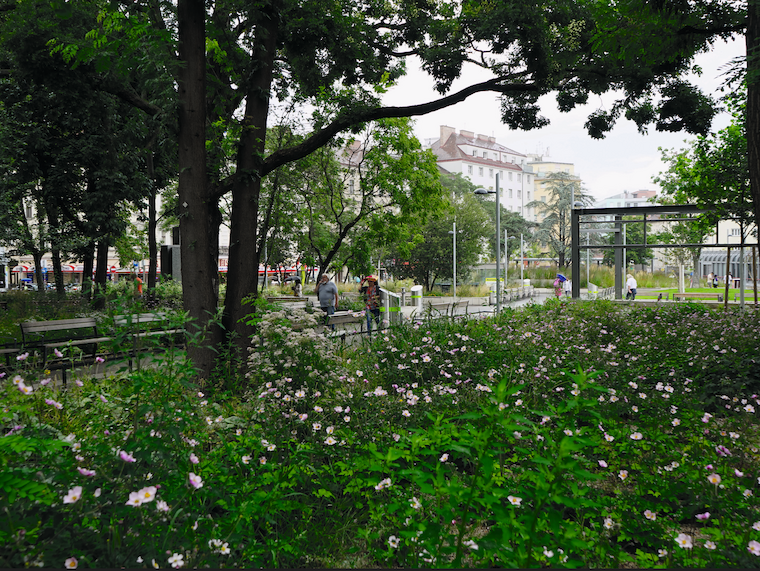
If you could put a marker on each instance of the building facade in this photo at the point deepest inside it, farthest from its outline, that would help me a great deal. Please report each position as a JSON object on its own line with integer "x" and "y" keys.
{"x": 479, "y": 158}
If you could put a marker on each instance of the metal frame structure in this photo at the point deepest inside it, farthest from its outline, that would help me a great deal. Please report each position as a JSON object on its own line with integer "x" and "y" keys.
{"x": 642, "y": 211}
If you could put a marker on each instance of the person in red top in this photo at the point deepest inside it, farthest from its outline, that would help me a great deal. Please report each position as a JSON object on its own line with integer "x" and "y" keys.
{"x": 371, "y": 293}
{"x": 139, "y": 283}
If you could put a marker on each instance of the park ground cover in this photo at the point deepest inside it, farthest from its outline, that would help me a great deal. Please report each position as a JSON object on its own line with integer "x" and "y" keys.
{"x": 565, "y": 435}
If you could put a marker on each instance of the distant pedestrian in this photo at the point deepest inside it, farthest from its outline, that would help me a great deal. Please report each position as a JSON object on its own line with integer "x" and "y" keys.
{"x": 371, "y": 293}
{"x": 557, "y": 287}
{"x": 631, "y": 287}
{"x": 710, "y": 279}
{"x": 715, "y": 281}
{"x": 138, "y": 286}
{"x": 327, "y": 292}
{"x": 568, "y": 287}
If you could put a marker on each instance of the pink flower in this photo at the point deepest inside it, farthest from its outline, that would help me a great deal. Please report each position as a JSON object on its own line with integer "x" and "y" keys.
{"x": 714, "y": 479}
{"x": 704, "y": 516}
{"x": 193, "y": 458}
{"x": 602, "y": 463}
{"x": 71, "y": 563}
{"x": 104, "y": 399}
{"x": 754, "y": 547}
{"x": 99, "y": 359}
{"x": 722, "y": 450}
{"x": 86, "y": 472}
{"x": 195, "y": 481}
{"x": 57, "y": 353}
{"x": 126, "y": 456}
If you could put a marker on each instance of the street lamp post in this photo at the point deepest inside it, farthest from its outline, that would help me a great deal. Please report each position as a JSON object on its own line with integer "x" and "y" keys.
{"x": 454, "y": 234}
{"x": 498, "y": 236}
{"x": 506, "y": 257}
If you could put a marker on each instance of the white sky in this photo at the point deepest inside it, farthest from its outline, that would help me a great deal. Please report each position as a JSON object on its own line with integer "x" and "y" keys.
{"x": 624, "y": 160}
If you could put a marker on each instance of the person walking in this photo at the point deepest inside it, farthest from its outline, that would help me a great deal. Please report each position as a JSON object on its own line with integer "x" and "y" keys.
{"x": 327, "y": 292}
{"x": 631, "y": 286}
{"x": 371, "y": 293}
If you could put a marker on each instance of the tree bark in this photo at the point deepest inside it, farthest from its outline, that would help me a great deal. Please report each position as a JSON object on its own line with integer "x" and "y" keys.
{"x": 752, "y": 39}
{"x": 244, "y": 256}
{"x": 99, "y": 291}
{"x": 198, "y": 252}
{"x": 152, "y": 246}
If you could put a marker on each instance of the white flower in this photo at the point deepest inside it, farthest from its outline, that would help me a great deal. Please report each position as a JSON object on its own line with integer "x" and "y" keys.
{"x": 386, "y": 483}
{"x": 330, "y": 441}
{"x": 684, "y": 541}
{"x": 514, "y": 500}
{"x": 176, "y": 560}
{"x": 246, "y": 459}
{"x": 71, "y": 563}
{"x": 393, "y": 541}
{"x": 444, "y": 458}
{"x": 415, "y": 503}
{"x": 636, "y": 436}
{"x": 650, "y": 515}
{"x": 73, "y": 496}
{"x": 608, "y": 523}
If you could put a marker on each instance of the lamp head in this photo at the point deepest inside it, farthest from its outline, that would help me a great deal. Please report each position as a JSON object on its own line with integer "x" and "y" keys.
{"x": 481, "y": 191}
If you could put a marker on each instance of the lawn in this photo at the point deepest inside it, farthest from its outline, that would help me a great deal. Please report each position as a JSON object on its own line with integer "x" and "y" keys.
{"x": 564, "y": 435}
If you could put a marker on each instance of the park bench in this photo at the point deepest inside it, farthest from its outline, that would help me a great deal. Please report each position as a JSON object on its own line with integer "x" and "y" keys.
{"x": 342, "y": 319}
{"x": 138, "y": 327}
{"x": 439, "y": 309}
{"x": 47, "y": 336}
{"x": 290, "y": 302}
{"x": 8, "y": 347}
{"x": 459, "y": 305}
{"x": 697, "y": 295}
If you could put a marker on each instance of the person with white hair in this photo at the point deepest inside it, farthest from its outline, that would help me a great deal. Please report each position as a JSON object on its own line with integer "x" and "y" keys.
{"x": 630, "y": 286}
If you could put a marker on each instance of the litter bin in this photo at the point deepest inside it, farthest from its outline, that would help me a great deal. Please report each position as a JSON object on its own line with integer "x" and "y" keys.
{"x": 417, "y": 296}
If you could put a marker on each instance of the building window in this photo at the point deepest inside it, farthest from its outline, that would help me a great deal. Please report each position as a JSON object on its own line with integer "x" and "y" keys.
{"x": 510, "y": 176}
{"x": 28, "y": 211}
{"x": 495, "y": 157}
{"x": 510, "y": 193}
{"x": 527, "y": 195}
{"x": 480, "y": 171}
{"x": 519, "y": 193}
{"x": 490, "y": 173}
{"x": 474, "y": 153}
{"x": 734, "y": 232}
{"x": 519, "y": 209}
{"x": 501, "y": 175}
{"x": 528, "y": 179}
{"x": 543, "y": 199}
{"x": 519, "y": 177}
{"x": 469, "y": 169}
{"x": 351, "y": 186}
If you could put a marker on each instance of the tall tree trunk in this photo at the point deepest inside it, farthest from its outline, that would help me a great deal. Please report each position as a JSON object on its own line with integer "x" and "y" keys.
{"x": 752, "y": 118}
{"x": 88, "y": 264}
{"x": 245, "y": 246}
{"x": 198, "y": 251}
{"x": 55, "y": 236}
{"x": 99, "y": 291}
{"x": 152, "y": 247}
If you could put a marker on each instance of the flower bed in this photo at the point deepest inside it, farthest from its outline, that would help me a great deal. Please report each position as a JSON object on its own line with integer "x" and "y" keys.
{"x": 566, "y": 435}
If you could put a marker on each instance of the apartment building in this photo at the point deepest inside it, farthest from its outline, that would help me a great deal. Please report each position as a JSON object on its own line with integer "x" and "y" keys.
{"x": 479, "y": 158}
